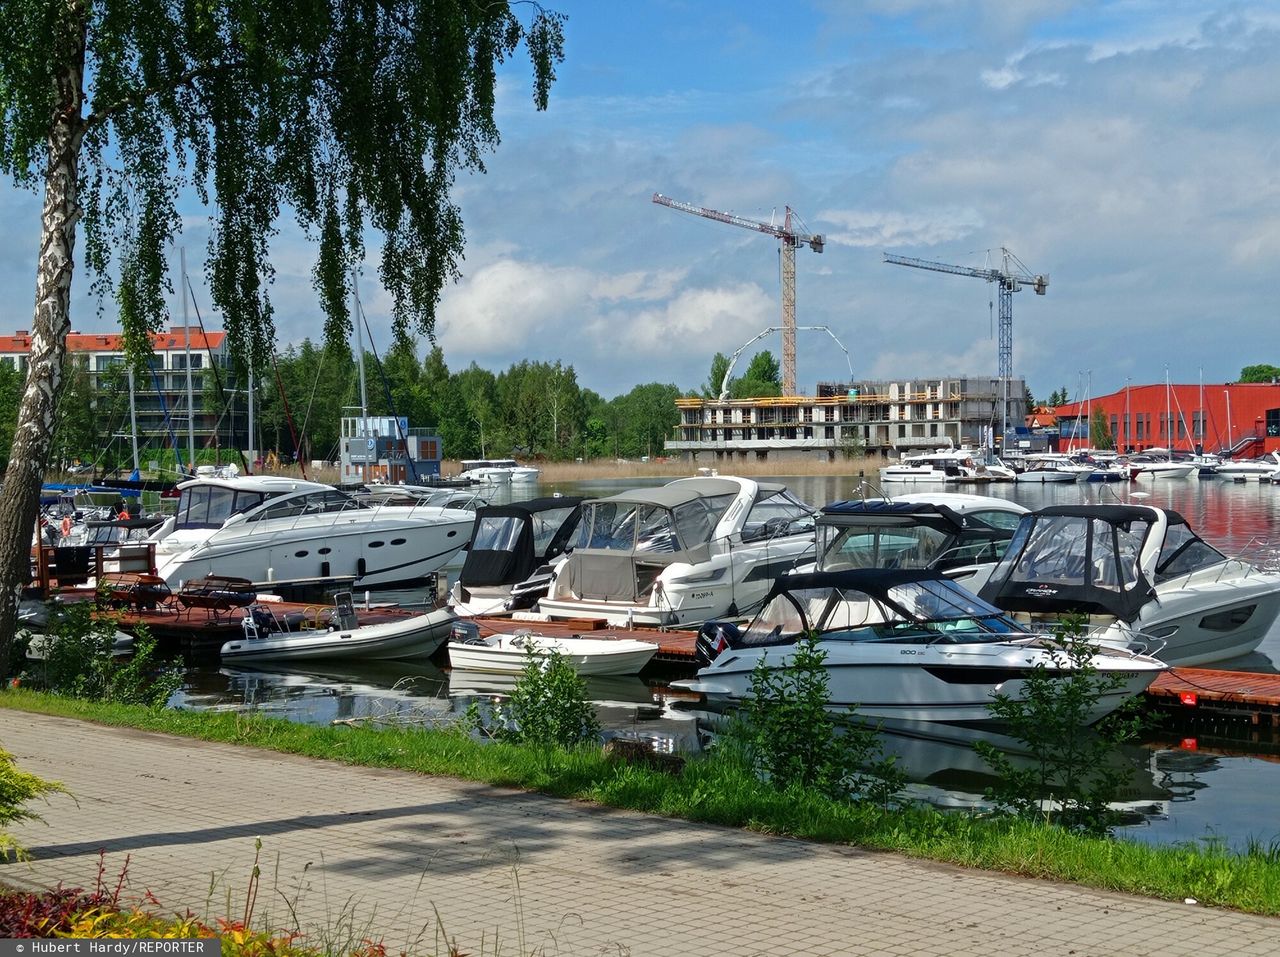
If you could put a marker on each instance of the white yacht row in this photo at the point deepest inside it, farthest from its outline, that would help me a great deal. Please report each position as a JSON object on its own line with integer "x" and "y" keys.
{"x": 926, "y": 602}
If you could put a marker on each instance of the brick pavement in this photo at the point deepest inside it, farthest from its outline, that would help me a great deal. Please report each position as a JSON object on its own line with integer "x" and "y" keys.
{"x": 363, "y": 848}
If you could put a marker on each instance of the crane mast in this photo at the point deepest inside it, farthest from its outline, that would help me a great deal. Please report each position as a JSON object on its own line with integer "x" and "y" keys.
{"x": 789, "y": 238}
{"x": 1009, "y": 279}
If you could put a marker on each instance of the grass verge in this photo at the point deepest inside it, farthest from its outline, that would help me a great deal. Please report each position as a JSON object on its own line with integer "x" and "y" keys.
{"x": 718, "y": 791}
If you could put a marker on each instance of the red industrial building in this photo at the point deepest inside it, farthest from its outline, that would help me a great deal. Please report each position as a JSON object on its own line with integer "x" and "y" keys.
{"x": 1240, "y": 418}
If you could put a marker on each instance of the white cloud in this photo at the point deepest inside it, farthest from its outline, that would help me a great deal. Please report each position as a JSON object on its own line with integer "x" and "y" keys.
{"x": 884, "y": 228}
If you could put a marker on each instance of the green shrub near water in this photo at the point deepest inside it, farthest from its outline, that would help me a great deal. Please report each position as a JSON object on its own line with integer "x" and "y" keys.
{"x": 790, "y": 736}
{"x": 548, "y": 706}
{"x": 78, "y": 660}
{"x": 1071, "y": 779}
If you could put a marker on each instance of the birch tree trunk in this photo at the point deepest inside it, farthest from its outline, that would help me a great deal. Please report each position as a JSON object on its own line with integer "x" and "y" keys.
{"x": 20, "y": 495}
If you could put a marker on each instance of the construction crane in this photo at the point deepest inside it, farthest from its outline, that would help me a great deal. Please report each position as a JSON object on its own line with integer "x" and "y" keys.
{"x": 1010, "y": 279}
{"x": 789, "y": 238}
{"x": 733, "y": 359}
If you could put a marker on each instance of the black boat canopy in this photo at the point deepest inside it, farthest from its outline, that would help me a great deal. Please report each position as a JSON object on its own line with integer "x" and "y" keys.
{"x": 1081, "y": 558}
{"x": 508, "y": 542}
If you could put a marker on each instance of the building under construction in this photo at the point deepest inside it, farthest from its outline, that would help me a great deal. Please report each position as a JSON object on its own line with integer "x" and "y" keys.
{"x": 868, "y": 417}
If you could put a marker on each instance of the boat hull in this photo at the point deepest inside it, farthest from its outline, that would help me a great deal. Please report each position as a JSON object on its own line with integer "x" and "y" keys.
{"x": 922, "y": 683}
{"x": 417, "y": 637}
{"x": 508, "y": 654}
{"x": 384, "y": 552}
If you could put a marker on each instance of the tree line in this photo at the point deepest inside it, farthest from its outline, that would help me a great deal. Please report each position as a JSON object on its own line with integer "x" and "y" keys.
{"x": 532, "y": 409}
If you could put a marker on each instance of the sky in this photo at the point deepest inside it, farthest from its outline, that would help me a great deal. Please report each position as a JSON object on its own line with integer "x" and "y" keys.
{"x": 1129, "y": 150}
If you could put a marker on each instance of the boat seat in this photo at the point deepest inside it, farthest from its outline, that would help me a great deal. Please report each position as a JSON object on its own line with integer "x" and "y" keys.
{"x": 71, "y": 564}
{"x": 217, "y": 594}
{"x": 133, "y": 590}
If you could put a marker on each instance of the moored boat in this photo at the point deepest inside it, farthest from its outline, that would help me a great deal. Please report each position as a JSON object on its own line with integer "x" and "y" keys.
{"x": 906, "y": 645}
{"x": 509, "y": 653}
{"x": 266, "y": 637}
{"x": 681, "y": 553}
{"x": 1144, "y": 578}
{"x": 268, "y": 528}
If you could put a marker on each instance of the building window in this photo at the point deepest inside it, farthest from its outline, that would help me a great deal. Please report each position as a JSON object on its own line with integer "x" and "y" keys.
{"x": 103, "y": 363}
{"x": 1273, "y": 422}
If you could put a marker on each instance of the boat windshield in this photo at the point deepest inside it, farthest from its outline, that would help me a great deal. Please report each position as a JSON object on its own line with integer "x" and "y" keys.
{"x": 1184, "y": 552}
{"x": 628, "y": 527}
{"x": 877, "y": 545}
{"x": 777, "y": 513}
{"x": 314, "y": 503}
{"x": 208, "y": 506}
{"x": 545, "y": 525}
{"x": 1076, "y": 550}
{"x": 497, "y": 533}
{"x": 915, "y": 612}
{"x": 644, "y": 528}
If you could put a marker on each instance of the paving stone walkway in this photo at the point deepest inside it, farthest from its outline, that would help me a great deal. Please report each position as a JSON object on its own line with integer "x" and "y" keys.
{"x": 387, "y": 851}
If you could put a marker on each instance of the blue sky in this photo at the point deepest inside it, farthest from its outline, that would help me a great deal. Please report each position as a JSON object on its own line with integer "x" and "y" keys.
{"x": 1131, "y": 150}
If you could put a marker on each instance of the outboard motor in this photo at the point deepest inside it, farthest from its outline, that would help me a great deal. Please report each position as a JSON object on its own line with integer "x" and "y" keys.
{"x": 713, "y": 638}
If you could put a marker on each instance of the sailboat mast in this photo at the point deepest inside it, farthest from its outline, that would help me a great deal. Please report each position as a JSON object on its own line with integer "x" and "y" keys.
{"x": 133, "y": 420}
{"x": 356, "y": 317}
{"x": 1200, "y": 428}
{"x": 186, "y": 335}
{"x": 253, "y": 448}
{"x": 1168, "y": 413}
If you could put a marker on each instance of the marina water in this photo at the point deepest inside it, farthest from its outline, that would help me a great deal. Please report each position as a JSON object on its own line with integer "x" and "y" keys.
{"x": 1184, "y": 786}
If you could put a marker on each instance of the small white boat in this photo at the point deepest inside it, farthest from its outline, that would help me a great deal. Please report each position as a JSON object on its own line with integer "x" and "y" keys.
{"x": 508, "y": 653}
{"x": 1249, "y": 468}
{"x": 267, "y": 638}
{"x": 907, "y": 645}
{"x": 1170, "y": 469}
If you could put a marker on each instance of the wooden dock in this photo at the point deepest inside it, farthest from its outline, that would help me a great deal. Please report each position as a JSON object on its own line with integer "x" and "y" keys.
{"x": 1248, "y": 698}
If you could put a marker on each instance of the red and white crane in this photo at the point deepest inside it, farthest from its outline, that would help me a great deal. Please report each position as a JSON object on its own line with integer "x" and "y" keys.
{"x": 789, "y": 237}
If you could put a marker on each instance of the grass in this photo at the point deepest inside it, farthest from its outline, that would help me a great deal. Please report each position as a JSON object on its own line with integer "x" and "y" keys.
{"x": 718, "y": 791}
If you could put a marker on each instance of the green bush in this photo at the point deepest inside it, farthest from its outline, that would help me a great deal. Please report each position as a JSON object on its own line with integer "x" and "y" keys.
{"x": 1073, "y": 775}
{"x": 548, "y": 706}
{"x": 79, "y": 661}
{"x": 17, "y": 788}
{"x": 790, "y": 735}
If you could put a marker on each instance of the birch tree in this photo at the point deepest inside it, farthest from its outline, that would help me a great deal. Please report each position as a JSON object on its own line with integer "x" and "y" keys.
{"x": 348, "y": 115}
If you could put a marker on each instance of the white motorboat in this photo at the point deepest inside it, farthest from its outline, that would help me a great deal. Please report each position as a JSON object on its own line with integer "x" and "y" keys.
{"x": 905, "y": 645}
{"x": 1144, "y": 578}
{"x": 1254, "y": 469}
{"x": 267, "y": 637}
{"x": 1051, "y": 467}
{"x": 268, "y": 528}
{"x": 940, "y": 466}
{"x": 960, "y": 535}
{"x": 508, "y": 563}
{"x": 681, "y": 553}
{"x": 510, "y": 653}
{"x": 497, "y": 471}
{"x": 1163, "y": 469}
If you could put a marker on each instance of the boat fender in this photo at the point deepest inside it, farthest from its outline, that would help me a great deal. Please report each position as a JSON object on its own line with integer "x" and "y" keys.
{"x": 713, "y": 638}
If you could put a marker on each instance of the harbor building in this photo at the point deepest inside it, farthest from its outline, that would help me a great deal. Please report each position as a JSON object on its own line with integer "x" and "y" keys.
{"x": 381, "y": 448}
{"x": 1241, "y": 419}
{"x": 160, "y": 396}
{"x": 871, "y": 417}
